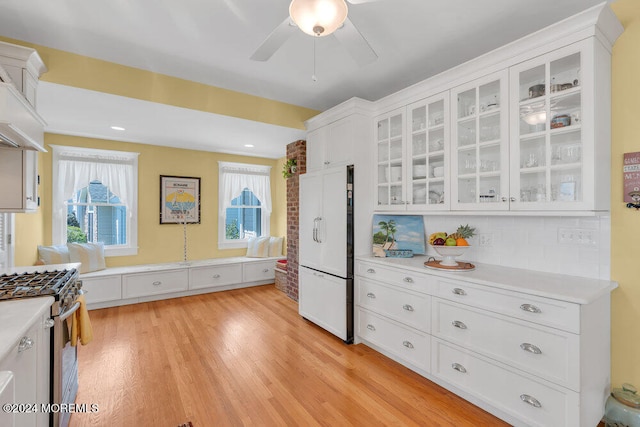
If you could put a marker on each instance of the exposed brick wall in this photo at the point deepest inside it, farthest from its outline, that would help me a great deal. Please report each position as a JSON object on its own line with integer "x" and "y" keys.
{"x": 296, "y": 150}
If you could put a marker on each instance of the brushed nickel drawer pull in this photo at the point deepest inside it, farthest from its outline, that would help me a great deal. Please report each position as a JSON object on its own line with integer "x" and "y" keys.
{"x": 458, "y": 324}
{"x": 407, "y": 344}
{"x": 157, "y": 283}
{"x": 531, "y": 400}
{"x": 408, "y": 307}
{"x": 530, "y": 348}
{"x": 371, "y": 270}
{"x": 371, "y": 295}
{"x": 371, "y": 327}
{"x": 530, "y": 308}
{"x": 458, "y": 367}
{"x": 459, "y": 291}
{"x": 266, "y": 270}
{"x": 25, "y": 344}
{"x": 408, "y": 279}
{"x": 216, "y": 276}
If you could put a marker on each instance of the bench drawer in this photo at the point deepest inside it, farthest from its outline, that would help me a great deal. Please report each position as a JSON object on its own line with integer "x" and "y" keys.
{"x": 257, "y": 271}
{"x": 217, "y": 275}
{"x": 161, "y": 282}
{"x": 102, "y": 289}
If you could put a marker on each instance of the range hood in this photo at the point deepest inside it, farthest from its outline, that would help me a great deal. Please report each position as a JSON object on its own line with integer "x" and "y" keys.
{"x": 20, "y": 125}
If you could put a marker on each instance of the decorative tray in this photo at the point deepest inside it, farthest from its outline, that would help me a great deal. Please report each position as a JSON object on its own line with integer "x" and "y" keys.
{"x": 398, "y": 253}
{"x": 462, "y": 265}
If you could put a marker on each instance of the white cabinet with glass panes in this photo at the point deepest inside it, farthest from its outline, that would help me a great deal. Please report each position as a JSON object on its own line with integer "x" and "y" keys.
{"x": 428, "y": 154}
{"x": 390, "y": 161}
{"x": 479, "y": 144}
{"x": 554, "y": 158}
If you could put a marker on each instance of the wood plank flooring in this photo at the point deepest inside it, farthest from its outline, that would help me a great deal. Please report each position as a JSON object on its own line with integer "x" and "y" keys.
{"x": 246, "y": 357}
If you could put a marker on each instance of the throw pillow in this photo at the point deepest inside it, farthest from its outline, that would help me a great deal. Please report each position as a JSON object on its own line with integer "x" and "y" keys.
{"x": 58, "y": 254}
{"x": 258, "y": 247}
{"x": 91, "y": 255}
{"x": 275, "y": 246}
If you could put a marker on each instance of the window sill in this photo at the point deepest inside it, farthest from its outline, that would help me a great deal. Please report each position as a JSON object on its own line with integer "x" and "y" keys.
{"x": 121, "y": 251}
{"x": 233, "y": 245}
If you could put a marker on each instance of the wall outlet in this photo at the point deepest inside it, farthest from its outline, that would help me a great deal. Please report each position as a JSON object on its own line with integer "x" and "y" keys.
{"x": 577, "y": 236}
{"x": 485, "y": 239}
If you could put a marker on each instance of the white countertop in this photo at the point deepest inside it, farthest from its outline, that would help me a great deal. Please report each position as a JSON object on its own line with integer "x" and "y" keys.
{"x": 17, "y": 316}
{"x": 40, "y": 268}
{"x": 579, "y": 290}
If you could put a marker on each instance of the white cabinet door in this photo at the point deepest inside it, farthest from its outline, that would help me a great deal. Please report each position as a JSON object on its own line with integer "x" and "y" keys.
{"x": 480, "y": 144}
{"x": 102, "y": 289}
{"x": 19, "y": 177}
{"x": 316, "y": 141}
{"x": 390, "y": 161}
{"x": 7, "y": 395}
{"x": 323, "y": 220}
{"x": 323, "y": 300}
{"x": 340, "y": 142}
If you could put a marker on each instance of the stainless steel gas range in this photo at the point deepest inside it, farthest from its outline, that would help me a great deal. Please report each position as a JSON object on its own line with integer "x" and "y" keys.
{"x": 65, "y": 287}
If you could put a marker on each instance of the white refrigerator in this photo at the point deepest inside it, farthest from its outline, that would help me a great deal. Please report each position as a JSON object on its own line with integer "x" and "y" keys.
{"x": 325, "y": 293}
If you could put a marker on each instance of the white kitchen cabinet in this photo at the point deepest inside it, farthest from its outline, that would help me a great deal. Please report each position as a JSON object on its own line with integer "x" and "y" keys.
{"x": 390, "y": 161}
{"x": 154, "y": 283}
{"x": 19, "y": 175}
{"x": 323, "y": 300}
{"x": 215, "y": 275}
{"x": 529, "y": 347}
{"x": 257, "y": 271}
{"x": 29, "y": 359}
{"x": 480, "y": 144}
{"x": 335, "y": 144}
{"x": 102, "y": 289}
{"x": 559, "y": 105}
{"x": 24, "y": 67}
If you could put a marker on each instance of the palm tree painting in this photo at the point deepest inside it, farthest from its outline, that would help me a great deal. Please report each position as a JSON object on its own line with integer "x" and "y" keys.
{"x": 403, "y": 232}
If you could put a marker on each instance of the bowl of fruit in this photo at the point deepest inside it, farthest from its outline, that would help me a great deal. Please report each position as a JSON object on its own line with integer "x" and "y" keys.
{"x": 450, "y": 246}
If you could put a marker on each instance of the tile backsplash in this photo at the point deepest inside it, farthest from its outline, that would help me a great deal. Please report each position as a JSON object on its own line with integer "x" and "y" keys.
{"x": 578, "y": 246}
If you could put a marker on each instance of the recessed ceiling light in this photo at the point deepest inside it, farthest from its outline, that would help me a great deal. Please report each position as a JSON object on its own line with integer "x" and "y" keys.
{"x": 248, "y": 145}
{"x": 117, "y": 128}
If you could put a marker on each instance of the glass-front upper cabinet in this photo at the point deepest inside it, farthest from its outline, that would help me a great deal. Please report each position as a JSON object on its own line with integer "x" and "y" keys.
{"x": 428, "y": 154}
{"x": 548, "y": 132}
{"x": 390, "y": 182}
{"x": 480, "y": 151}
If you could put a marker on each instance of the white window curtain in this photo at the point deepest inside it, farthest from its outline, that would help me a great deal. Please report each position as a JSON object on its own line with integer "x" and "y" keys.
{"x": 235, "y": 177}
{"x": 75, "y": 168}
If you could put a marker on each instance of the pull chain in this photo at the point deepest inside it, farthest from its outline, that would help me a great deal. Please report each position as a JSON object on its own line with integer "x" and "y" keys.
{"x": 314, "y": 77}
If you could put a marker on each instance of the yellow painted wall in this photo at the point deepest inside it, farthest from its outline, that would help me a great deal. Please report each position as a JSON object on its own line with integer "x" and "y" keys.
{"x": 157, "y": 243}
{"x": 625, "y": 223}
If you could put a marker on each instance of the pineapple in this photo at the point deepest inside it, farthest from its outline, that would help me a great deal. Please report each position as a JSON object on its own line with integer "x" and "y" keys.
{"x": 463, "y": 232}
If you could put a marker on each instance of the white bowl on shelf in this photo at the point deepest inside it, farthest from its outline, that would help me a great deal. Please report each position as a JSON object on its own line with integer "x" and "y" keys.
{"x": 449, "y": 253}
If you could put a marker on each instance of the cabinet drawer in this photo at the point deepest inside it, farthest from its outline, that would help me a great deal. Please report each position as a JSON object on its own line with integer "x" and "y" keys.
{"x": 255, "y": 271}
{"x": 218, "y": 275}
{"x": 408, "y": 344}
{"x": 396, "y": 276}
{"x": 544, "y": 311}
{"x": 545, "y": 352}
{"x": 101, "y": 289}
{"x": 515, "y": 394}
{"x": 409, "y": 308}
{"x": 160, "y": 282}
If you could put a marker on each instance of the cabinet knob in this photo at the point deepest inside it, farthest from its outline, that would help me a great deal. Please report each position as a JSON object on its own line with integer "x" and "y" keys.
{"x": 266, "y": 270}
{"x": 25, "y": 344}
{"x": 407, "y": 344}
{"x": 458, "y": 291}
{"x": 530, "y": 308}
{"x": 458, "y": 324}
{"x": 407, "y": 307}
{"x": 371, "y": 295}
{"x": 157, "y": 283}
{"x": 504, "y": 199}
{"x": 512, "y": 199}
{"x": 530, "y": 400}
{"x": 48, "y": 323}
{"x": 371, "y": 327}
{"x": 326, "y": 162}
{"x": 216, "y": 276}
{"x": 408, "y": 279}
{"x": 458, "y": 367}
{"x": 530, "y": 348}
{"x": 371, "y": 271}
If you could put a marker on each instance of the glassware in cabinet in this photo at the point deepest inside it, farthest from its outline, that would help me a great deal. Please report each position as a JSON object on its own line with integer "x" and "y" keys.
{"x": 480, "y": 144}
{"x": 390, "y": 160}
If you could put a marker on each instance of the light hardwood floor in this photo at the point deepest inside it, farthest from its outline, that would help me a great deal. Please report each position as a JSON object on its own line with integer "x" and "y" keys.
{"x": 246, "y": 357}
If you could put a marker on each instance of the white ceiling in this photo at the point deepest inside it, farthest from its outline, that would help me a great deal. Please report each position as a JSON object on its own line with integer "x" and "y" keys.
{"x": 210, "y": 41}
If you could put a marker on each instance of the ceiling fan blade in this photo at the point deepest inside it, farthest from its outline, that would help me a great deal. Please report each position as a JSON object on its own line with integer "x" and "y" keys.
{"x": 357, "y": 46}
{"x": 276, "y": 39}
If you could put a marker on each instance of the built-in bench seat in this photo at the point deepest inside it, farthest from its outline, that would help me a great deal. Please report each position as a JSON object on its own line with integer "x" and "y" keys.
{"x": 140, "y": 283}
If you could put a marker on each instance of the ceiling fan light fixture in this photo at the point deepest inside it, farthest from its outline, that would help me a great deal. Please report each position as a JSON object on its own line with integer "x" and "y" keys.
{"x": 318, "y": 18}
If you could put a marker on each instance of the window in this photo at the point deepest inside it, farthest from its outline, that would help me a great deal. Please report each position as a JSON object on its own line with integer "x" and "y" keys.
{"x": 95, "y": 195}
{"x": 245, "y": 203}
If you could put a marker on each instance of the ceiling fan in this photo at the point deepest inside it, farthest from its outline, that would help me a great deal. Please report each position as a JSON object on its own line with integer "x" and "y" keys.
{"x": 319, "y": 18}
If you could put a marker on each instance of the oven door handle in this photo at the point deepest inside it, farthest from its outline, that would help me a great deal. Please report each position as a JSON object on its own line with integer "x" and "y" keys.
{"x": 69, "y": 312}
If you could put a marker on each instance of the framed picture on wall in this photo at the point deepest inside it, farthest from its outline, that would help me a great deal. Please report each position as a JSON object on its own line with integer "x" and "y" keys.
{"x": 179, "y": 200}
